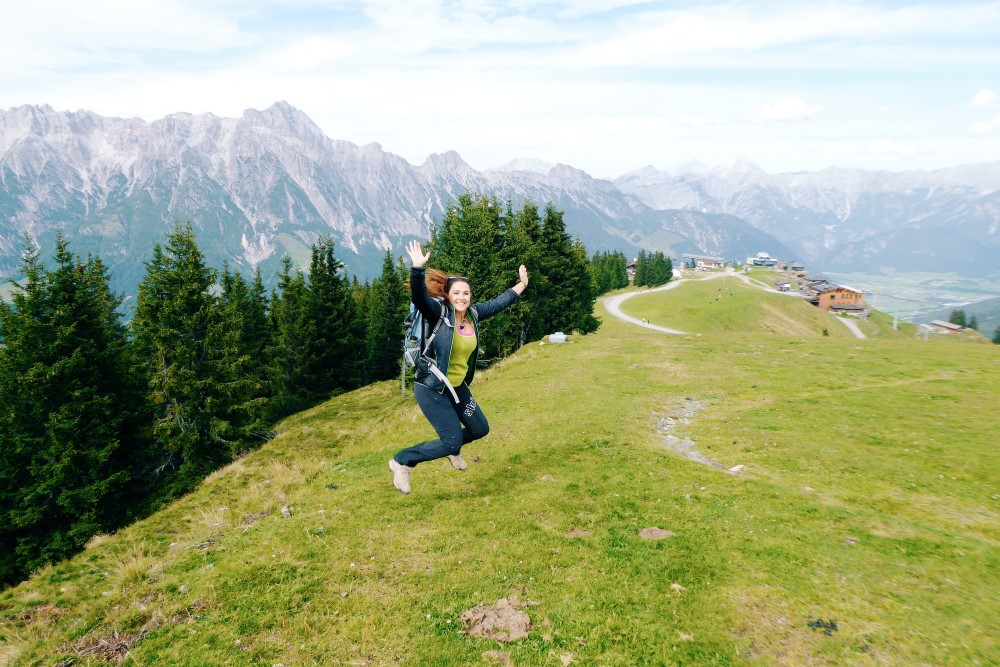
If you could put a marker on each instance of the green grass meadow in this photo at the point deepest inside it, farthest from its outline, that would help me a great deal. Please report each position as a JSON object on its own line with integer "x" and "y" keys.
{"x": 861, "y": 529}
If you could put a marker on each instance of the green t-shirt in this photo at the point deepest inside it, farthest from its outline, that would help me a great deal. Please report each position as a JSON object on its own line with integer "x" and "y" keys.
{"x": 462, "y": 347}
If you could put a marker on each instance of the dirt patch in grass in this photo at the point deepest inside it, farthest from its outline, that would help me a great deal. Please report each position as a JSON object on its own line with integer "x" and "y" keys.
{"x": 655, "y": 533}
{"x": 503, "y": 621}
{"x": 771, "y": 634}
{"x": 501, "y": 657}
{"x": 42, "y": 615}
{"x": 249, "y": 520}
{"x": 114, "y": 647}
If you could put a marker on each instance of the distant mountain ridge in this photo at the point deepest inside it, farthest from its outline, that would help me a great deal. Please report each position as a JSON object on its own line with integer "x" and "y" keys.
{"x": 270, "y": 182}
{"x": 850, "y": 219}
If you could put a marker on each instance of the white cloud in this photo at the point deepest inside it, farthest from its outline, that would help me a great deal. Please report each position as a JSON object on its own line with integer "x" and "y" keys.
{"x": 789, "y": 108}
{"x": 985, "y": 127}
{"x": 743, "y": 34}
{"x": 889, "y": 147}
{"x": 620, "y": 83}
{"x": 984, "y": 99}
{"x": 64, "y": 35}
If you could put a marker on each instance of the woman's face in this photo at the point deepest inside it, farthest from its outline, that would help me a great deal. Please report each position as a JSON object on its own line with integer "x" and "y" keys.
{"x": 460, "y": 295}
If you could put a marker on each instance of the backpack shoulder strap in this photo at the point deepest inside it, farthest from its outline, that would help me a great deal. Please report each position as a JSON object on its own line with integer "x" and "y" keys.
{"x": 437, "y": 325}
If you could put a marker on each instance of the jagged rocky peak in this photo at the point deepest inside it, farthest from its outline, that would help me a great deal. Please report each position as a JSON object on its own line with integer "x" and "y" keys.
{"x": 648, "y": 175}
{"x": 567, "y": 174}
{"x": 283, "y": 118}
{"x": 444, "y": 163}
{"x": 746, "y": 166}
{"x": 44, "y": 121}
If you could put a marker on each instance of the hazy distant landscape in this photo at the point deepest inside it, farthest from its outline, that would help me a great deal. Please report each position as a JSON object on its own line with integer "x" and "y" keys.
{"x": 915, "y": 296}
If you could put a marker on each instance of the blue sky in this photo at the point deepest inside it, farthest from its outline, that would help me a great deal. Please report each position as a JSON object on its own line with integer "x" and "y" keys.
{"x": 607, "y": 86}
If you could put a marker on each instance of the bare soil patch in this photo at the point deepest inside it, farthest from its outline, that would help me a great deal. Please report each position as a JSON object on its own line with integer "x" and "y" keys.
{"x": 655, "y": 533}
{"x": 503, "y": 621}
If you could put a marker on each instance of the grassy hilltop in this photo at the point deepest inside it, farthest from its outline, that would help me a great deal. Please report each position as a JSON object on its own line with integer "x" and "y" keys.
{"x": 860, "y": 526}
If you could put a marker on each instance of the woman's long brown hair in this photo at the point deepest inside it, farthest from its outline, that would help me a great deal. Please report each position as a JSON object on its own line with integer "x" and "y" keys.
{"x": 435, "y": 281}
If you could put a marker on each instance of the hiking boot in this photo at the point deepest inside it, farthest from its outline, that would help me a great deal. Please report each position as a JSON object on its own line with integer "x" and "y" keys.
{"x": 457, "y": 462}
{"x": 400, "y": 475}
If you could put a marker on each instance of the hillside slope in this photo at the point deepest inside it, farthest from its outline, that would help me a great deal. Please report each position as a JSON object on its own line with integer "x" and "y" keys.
{"x": 860, "y": 525}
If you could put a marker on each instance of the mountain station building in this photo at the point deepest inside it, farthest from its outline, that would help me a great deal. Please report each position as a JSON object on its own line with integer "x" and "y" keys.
{"x": 835, "y": 298}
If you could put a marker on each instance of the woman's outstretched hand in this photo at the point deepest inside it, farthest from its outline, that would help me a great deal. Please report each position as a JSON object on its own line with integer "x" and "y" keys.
{"x": 522, "y": 274}
{"x": 417, "y": 255}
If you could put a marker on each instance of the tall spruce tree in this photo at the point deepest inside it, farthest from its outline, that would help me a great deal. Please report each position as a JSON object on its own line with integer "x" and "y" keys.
{"x": 288, "y": 355}
{"x": 568, "y": 295}
{"x": 245, "y": 338}
{"x": 334, "y": 333}
{"x": 520, "y": 230}
{"x": 180, "y": 337}
{"x": 68, "y": 413}
{"x": 387, "y": 305}
{"x": 641, "y": 278}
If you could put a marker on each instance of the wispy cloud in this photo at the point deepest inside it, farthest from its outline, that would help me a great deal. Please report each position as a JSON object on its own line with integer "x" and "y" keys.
{"x": 606, "y": 85}
{"x": 889, "y": 147}
{"x": 789, "y": 108}
{"x": 985, "y": 99}
{"x": 986, "y": 126}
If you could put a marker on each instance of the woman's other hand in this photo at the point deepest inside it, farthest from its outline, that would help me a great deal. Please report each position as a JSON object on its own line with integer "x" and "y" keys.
{"x": 417, "y": 255}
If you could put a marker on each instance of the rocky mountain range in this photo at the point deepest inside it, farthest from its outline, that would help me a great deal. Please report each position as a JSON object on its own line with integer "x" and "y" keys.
{"x": 850, "y": 219}
{"x": 270, "y": 182}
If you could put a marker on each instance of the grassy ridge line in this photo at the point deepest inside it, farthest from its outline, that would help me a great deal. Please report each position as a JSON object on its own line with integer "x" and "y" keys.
{"x": 728, "y": 304}
{"x": 868, "y": 498}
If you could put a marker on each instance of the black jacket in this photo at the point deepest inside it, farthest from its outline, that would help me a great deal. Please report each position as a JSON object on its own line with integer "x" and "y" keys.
{"x": 440, "y": 349}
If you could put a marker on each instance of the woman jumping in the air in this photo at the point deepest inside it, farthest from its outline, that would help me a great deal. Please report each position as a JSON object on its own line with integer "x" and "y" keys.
{"x": 444, "y": 373}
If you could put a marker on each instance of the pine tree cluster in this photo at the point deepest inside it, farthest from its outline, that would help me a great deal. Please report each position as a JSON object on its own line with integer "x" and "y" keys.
{"x": 653, "y": 269}
{"x": 610, "y": 271}
{"x": 102, "y": 421}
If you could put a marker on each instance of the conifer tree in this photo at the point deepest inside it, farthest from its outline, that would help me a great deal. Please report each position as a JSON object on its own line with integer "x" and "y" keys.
{"x": 179, "y": 333}
{"x": 610, "y": 271}
{"x": 641, "y": 270}
{"x": 68, "y": 413}
{"x": 245, "y": 338}
{"x": 620, "y": 277}
{"x": 287, "y": 355}
{"x": 957, "y": 317}
{"x": 653, "y": 269}
{"x": 387, "y": 305}
{"x": 996, "y": 336}
{"x": 567, "y": 302}
{"x": 973, "y": 323}
{"x": 334, "y": 335}
{"x": 520, "y": 233}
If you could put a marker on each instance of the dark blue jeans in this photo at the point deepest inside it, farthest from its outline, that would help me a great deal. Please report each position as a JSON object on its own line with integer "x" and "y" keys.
{"x": 456, "y": 424}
